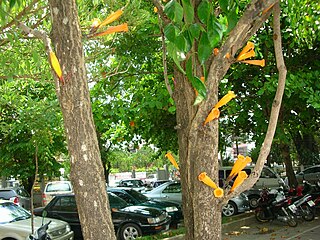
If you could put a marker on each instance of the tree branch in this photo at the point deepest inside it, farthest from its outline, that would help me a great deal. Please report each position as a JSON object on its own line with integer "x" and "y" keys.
{"x": 266, "y": 146}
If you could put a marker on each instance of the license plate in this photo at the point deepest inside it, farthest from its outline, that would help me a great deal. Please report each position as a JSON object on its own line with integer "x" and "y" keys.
{"x": 293, "y": 208}
{"x": 311, "y": 203}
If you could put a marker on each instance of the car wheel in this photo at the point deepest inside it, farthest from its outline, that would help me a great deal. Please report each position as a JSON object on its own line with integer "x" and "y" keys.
{"x": 129, "y": 231}
{"x": 253, "y": 201}
{"x": 230, "y": 209}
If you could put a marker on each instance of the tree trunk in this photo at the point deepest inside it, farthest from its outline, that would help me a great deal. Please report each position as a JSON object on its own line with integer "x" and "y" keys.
{"x": 86, "y": 167}
{"x": 285, "y": 152}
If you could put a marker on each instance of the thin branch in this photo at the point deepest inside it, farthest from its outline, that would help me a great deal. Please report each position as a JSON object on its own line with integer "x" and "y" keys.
{"x": 164, "y": 58}
{"x": 276, "y": 105}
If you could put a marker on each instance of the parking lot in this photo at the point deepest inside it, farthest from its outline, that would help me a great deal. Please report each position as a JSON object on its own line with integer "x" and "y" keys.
{"x": 250, "y": 229}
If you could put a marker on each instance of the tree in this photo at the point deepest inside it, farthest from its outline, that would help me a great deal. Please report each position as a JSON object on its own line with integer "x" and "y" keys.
{"x": 198, "y": 144}
{"x": 193, "y": 31}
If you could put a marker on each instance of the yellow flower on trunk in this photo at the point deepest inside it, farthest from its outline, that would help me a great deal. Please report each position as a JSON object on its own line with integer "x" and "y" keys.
{"x": 172, "y": 160}
{"x": 56, "y": 65}
{"x": 239, "y": 180}
{"x": 113, "y": 29}
{"x": 218, "y": 192}
{"x": 240, "y": 164}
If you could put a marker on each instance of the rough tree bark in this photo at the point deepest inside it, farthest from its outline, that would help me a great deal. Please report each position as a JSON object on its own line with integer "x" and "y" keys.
{"x": 86, "y": 167}
{"x": 198, "y": 144}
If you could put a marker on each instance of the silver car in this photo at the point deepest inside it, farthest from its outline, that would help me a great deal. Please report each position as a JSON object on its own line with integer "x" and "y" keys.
{"x": 16, "y": 195}
{"x": 15, "y": 224}
{"x": 310, "y": 174}
{"x": 171, "y": 191}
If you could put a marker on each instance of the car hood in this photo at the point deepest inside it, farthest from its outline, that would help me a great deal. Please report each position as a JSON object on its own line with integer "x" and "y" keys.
{"x": 159, "y": 204}
{"x": 25, "y": 225}
{"x": 143, "y": 210}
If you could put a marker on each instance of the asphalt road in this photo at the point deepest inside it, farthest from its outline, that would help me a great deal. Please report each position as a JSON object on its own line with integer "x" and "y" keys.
{"x": 250, "y": 229}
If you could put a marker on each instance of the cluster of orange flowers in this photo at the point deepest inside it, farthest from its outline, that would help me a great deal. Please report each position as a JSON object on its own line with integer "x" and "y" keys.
{"x": 96, "y": 24}
{"x": 238, "y": 166}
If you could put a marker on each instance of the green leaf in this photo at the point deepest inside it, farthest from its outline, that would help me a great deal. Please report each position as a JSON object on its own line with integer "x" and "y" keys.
{"x": 215, "y": 31}
{"x": 201, "y": 89}
{"x": 188, "y": 11}
{"x": 232, "y": 20}
{"x": 195, "y": 30}
{"x": 224, "y": 5}
{"x": 12, "y": 3}
{"x": 204, "y": 11}
{"x": 189, "y": 69}
{"x": 181, "y": 43}
{"x": 173, "y": 53}
{"x": 204, "y": 48}
{"x": 170, "y": 32}
{"x": 174, "y": 11}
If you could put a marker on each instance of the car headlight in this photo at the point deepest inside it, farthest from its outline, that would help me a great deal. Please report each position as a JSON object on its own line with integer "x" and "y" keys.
{"x": 68, "y": 229}
{"x": 171, "y": 209}
{"x": 153, "y": 220}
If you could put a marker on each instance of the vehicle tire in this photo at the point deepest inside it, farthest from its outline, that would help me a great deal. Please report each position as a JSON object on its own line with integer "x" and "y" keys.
{"x": 261, "y": 216}
{"x": 292, "y": 221}
{"x": 307, "y": 213}
{"x": 230, "y": 209}
{"x": 253, "y": 201}
{"x": 129, "y": 231}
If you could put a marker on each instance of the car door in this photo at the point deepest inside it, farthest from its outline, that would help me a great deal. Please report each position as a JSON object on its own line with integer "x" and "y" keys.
{"x": 312, "y": 174}
{"x": 65, "y": 209}
{"x": 267, "y": 179}
{"x": 172, "y": 192}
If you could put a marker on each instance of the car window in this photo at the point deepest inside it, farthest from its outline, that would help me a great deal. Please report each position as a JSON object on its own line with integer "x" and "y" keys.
{"x": 125, "y": 197}
{"x": 312, "y": 170}
{"x": 58, "y": 187}
{"x": 7, "y": 194}
{"x": 10, "y": 212}
{"x": 173, "y": 188}
{"x": 65, "y": 204}
{"x": 267, "y": 173}
{"x": 22, "y": 192}
{"x": 137, "y": 195}
{"x": 116, "y": 202}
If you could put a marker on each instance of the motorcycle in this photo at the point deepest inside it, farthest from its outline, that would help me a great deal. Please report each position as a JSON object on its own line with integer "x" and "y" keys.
{"x": 41, "y": 233}
{"x": 273, "y": 205}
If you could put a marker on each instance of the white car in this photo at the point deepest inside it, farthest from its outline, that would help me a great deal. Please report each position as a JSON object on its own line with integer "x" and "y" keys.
{"x": 15, "y": 224}
{"x": 55, "y": 188}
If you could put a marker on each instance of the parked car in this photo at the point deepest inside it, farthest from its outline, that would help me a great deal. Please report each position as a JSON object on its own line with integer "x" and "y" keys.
{"x": 17, "y": 195}
{"x": 15, "y": 224}
{"x": 268, "y": 177}
{"x": 136, "y": 198}
{"x": 129, "y": 221}
{"x": 151, "y": 178}
{"x": 55, "y": 188}
{"x": 310, "y": 174}
{"x": 172, "y": 191}
{"x": 136, "y": 184}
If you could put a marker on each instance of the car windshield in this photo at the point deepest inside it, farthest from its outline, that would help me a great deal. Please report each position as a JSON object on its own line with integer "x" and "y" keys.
{"x": 10, "y": 212}
{"x": 116, "y": 202}
{"x": 137, "y": 195}
{"x": 58, "y": 187}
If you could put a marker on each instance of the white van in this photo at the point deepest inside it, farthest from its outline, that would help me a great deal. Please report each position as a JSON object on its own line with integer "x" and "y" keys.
{"x": 55, "y": 188}
{"x": 267, "y": 179}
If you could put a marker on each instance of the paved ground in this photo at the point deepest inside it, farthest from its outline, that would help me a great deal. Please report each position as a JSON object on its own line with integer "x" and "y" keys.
{"x": 274, "y": 230}
{"x": 249, "y": 229}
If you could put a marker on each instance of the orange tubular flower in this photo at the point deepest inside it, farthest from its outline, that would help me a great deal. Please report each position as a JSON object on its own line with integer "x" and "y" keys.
{"x": 239, "y": 180}
{"x": 240, "y": 164}
{"x": 245, "y": 50}
{"x": 111, "y": 18}
{"x": 218, "y": 192}
{"x": 155, "y": 9}
{"x": 206, "y": 180}
{"x": 56, "y": 65}
{"x": 260, "y": 63}
{"x": 172, "y": 160}
{"x": 113, "y": 29}
{"x": 214, "y": 114}
{"x": 225, "y": 99}
{"x": 246, "y": 55}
